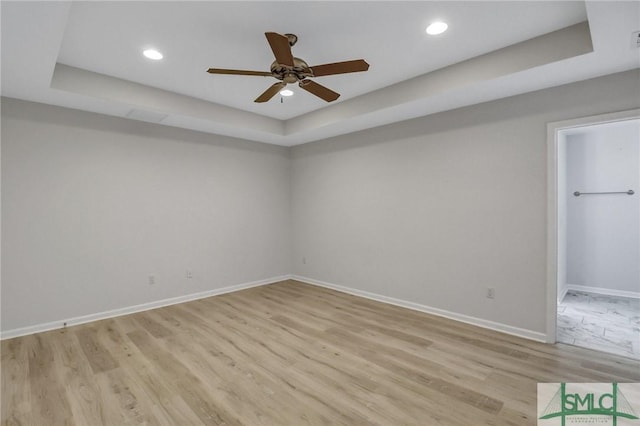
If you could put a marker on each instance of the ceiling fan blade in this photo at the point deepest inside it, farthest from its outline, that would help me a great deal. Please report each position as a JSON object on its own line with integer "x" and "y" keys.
{"x": 281, "y": 48}
{"x": 270, "y": 92}
{"x": 340, "y": 67}
{"x": 319, "y": 90}
{"x": 238, "y": 72}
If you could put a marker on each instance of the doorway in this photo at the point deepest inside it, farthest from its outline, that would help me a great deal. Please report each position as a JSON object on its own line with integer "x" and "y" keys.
{"x": 594, "y": 233}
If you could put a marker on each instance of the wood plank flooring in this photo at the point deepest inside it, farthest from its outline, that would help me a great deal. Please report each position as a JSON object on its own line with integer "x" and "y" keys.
{"x": 286, "y": 354}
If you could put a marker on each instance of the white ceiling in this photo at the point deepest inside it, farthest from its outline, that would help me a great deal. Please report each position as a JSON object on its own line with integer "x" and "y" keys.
{"x": 87, "y": 55}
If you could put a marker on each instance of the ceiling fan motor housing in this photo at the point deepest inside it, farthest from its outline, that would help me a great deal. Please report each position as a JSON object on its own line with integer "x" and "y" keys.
{"x": 299, "y": 71}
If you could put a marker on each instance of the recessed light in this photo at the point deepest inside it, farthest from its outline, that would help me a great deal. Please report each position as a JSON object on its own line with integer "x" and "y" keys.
{"x": 286, "y": 92}
{"x": 437, "y": 28}
{"x": 152, "y": 54}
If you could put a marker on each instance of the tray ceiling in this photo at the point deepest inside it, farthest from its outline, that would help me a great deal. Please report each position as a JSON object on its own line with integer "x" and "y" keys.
{"x": 87, "y": 55}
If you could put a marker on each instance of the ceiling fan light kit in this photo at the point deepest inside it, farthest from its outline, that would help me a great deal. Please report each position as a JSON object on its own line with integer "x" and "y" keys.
{"x": 289, "y": 70}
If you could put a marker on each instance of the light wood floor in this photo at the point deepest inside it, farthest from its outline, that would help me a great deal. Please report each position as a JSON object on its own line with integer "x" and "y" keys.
{"x": 286, "y": 354}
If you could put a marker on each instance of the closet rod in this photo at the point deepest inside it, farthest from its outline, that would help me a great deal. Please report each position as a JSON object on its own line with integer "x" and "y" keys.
{"x": 578, "y": 193}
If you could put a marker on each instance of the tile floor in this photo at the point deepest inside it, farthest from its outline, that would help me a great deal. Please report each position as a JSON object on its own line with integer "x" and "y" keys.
{"x": 605, "y": 323}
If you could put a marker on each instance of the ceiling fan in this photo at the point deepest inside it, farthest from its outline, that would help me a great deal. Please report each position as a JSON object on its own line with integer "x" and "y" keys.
{"x": 289, "y": 69}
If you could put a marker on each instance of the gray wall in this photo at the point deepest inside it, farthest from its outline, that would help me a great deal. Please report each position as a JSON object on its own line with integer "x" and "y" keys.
{"x": 431, "y": 211}
{"x": 603, "y": 231}
{"x": 92, "y": 205}
{"x": 437, "y": 209}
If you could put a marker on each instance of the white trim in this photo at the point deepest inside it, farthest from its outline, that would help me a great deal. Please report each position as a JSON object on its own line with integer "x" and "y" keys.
{"x": 605, "y": 291}
{"x": 38, "y": 328}
{"x": 552, "y": 202}
{"x": 564, "y": 293}
{"x": 496, "y": 326}
{"x": 552, "y": 231}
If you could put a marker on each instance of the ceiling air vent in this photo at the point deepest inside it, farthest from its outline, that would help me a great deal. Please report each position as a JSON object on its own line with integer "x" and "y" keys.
{"x": 150, "y": 116}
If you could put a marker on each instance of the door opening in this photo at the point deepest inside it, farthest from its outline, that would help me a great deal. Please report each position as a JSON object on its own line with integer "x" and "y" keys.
{"x": 594, "y": 233}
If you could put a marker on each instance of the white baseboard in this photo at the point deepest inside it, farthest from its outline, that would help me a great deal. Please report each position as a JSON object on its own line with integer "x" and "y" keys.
{"x": 604, "y": 291}
{"x": 514, "y": 331}
{"x": 38, "y": 328}
{"x": 564, "y": 293}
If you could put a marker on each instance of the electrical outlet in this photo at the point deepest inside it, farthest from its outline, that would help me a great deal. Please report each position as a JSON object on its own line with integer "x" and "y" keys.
{"x": 635, "y": 39}
{"x": 152, "y": 279}
{"x": 189, "y": 274}
{"x": 304, "y": 260}
{"x": 491, "y": 293}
